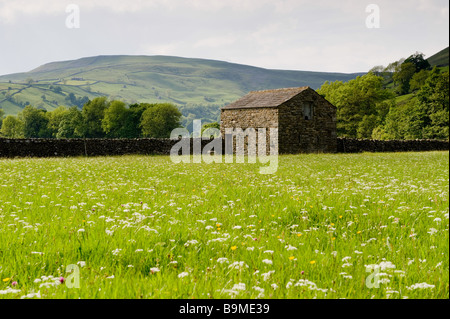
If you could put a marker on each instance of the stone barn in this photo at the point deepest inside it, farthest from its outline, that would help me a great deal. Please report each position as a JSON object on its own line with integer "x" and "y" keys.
{"x": 306, "y": 122}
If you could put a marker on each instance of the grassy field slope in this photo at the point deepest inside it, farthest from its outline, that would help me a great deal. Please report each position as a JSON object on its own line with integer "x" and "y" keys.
{"x": 440, "y": 59}
{"x": 182, "y": 81}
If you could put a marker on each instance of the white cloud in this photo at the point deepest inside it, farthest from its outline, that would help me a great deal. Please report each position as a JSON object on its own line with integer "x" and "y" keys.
{"x": 319, "y": 35}
{"x": 216, "y": 41}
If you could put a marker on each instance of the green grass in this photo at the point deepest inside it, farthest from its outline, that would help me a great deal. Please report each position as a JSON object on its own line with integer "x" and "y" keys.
{"x": 310, "y": 230}
{"x": 440, "y": 59}
{"x": 404, "y": 98}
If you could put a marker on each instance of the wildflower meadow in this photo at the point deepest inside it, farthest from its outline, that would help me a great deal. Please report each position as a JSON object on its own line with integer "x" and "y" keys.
{"x": 371, "y": 225}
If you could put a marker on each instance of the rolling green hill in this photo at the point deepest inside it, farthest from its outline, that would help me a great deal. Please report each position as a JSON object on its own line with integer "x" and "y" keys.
{"x": 195, "y": 85}
{"x": 440, "y": 59}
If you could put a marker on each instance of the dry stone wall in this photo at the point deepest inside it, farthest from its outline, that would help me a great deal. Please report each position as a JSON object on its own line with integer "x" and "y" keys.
{"x": 350, "y": 145}
{"x": 36, "y": 147}
{"x": 105, "y": 147}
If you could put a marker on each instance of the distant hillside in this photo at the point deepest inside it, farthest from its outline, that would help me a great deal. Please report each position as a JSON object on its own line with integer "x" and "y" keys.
{"x": 188, "y": 83}
{"x": 439, "y": 59}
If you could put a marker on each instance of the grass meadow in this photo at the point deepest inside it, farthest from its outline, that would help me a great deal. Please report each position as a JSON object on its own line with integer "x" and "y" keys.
{"x": 371, "y": 225}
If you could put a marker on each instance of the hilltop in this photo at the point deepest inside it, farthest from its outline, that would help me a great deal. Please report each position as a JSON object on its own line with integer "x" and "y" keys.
{"x": 195, "y": 85}
{"x": 440, "y": 59}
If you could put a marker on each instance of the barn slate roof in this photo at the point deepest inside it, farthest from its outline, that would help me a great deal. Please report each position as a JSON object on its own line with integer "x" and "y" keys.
{"x": 266, "y": 98}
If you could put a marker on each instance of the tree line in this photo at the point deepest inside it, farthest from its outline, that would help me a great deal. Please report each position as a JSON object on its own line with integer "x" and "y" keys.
{"x": 98, "y": 118}
{"x": 405, "y": 100}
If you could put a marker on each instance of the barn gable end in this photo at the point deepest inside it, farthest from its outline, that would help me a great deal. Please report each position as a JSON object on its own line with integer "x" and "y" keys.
{"x": 306, "y": 122}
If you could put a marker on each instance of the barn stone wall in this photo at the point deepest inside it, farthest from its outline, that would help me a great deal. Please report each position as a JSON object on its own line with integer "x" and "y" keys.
{"x": 263, "y": 117}
{"x": 295, "y": 134}
{"x": 298, "y": 135}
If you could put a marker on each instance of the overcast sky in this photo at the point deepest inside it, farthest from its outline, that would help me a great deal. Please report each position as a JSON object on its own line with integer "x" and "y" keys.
{"x": 278, "y": 34}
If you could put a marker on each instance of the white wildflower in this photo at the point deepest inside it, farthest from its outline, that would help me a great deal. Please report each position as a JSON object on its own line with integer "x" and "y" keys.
{"x": 222, "y": 260}
{"x": 117, "y": 251}
{"x": 267, "y": 275}
{"x": 267, "y": 261}
{"x": 9, "y": 290}
{"x": 239, "y": 286}
{"x": 422, "y": 285}
{"x": 190, "y": 242}
{"x": 32, "y": 295}
{"x": 238, "y": 265}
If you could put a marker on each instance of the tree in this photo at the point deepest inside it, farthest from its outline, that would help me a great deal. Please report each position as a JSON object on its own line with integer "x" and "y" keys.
{"x": 418, "y": 61}
{"x": 72, "y": 125}
{"x": 136, "y": 111}
{"x": 403, "y": 76}
{"x": 35, "y": 122}
{"x": 378, "y": 70}
{"x": 418, "y": 80}
{"x": 366, "y": 126}
{"x": 2, "y": 114}
{"x": 73, "y": 100}
{"x": 12, "y": 127}
{"x": 213, "y": 125}
{"x": 354, "y": 100}
{"x": 434, "y": 101}
{"x": 426, "y": 115}
{"x": 93, "y": 113}
{"x": 57, "y": 89}
{"x": 160, "y": 120}
{"x": 54, "y": 119}
{"x": 379, "y": 133}
{"x": 117, "y": 121}
{"x": 405, "y": 121}
{"x": 435, "y": 91}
